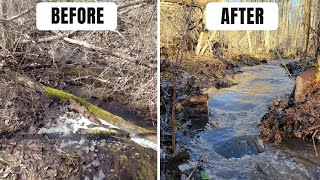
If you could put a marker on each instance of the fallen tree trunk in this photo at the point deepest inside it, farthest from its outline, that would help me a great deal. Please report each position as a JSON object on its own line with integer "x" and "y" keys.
{"x": 98, "y": 112}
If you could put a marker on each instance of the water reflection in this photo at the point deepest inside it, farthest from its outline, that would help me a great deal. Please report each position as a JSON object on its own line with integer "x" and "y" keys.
{"x": 233, "y": 148}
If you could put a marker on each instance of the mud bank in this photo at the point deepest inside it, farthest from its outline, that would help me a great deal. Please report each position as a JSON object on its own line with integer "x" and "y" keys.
{"x": 297, "y": 115}
{"x": 206, "y": 72}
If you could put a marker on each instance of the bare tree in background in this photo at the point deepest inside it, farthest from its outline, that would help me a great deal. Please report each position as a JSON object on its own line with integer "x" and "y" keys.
{"x": 3, "y": 15}
{"x": 318, "y": 37}
{"x": 126, "y": 57}
{"x": 307, "y": 31}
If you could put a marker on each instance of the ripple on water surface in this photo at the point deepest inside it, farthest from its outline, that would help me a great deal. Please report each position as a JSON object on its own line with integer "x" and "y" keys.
{"x": 233, "y": 147}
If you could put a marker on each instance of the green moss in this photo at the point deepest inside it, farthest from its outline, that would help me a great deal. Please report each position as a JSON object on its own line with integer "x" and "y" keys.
{"x": 101, "y": 132}
{"x": 100, "y": 113}
{"x": 317, "y": 76}
{"x": 257, "y": 63}
{"x": 229, "y": 83}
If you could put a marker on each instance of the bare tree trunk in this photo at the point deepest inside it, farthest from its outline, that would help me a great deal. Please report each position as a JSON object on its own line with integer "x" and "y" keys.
{"x": 316, "y": 27}
{"x": 318, "y": 44}
{"x": 287, "y": 16}
{"x": 199, "y": 3}
{"x": 249, "y": 41}
{"x": 318, "y": 37}
{"x": 297, "y": 28}
{"x": 202, "y": 33}
{"x": 281, "y": 28}
{"x": 207, "y": 44}
{"x": 267, "y": 40}
{"x": 307, "y": 31}
{"x": 286, "y": 29}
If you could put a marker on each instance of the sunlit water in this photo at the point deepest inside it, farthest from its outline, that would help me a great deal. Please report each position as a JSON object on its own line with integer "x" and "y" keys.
{"x": 233, "y": 148}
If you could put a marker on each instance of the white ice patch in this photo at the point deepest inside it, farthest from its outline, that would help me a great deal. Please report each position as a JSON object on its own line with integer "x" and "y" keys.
{"x": 66, "y": 143}
{"x": 144, "y": 142}
{"x": 72, "y": 122}
{"x": 60, "y": 128}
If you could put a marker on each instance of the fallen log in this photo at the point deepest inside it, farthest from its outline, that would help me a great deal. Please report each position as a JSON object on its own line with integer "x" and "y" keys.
{"x": 125, "y": 126}
{"x": 195, "y": 107}
{"x": 199, "y": 99}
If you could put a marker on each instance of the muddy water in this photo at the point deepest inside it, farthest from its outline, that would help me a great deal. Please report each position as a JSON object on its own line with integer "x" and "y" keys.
{"x": 233, "y": 148}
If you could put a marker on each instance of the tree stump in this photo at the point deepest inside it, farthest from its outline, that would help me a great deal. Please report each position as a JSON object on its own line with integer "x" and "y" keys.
{"x": 196, "y": 110}
{"x": 306, "y": 83}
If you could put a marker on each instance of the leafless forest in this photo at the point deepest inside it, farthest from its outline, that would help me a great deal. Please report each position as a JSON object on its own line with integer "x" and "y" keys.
{"x": 291, "y": 39}
{"x": 102, "y": 71}
{"x": 123, "y": 62}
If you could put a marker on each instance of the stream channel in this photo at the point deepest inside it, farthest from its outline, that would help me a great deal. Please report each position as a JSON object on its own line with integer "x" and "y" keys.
{"x": 232, "y": 148}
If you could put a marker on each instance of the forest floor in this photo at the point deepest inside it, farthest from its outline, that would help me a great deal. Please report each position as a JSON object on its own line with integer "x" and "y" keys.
{"x": 195, "y": 78}
{"x": 46, "y": 137}
{"x": 43, "y": 137}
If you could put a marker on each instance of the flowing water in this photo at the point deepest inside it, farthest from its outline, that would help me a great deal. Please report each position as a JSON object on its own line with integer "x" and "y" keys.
{"x": 233, "y": 149}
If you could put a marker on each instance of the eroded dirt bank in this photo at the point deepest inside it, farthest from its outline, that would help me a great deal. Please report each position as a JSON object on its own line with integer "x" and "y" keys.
{"x": 297, "y": 115}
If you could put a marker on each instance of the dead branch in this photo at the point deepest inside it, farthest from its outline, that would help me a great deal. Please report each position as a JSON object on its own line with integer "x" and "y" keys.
{"x": 4, "y": 161}
{"x": 313, "y": 127}
{"x": 173, "y": 120}
{"x": 8, "y": 53}
{"x": 196, "y": 166}
{"x": 131, "y": 8}
{"x": 17, "y": 16}
{"x": 314, "y": 143}
{"x": 48, "y": 39}
{"x": 42, "y": 40}
{"x": 107, "y": 52}
{"x": 86, "y": 45}
{"x": 284, "y": 64}
{"x": 133, "y": 3}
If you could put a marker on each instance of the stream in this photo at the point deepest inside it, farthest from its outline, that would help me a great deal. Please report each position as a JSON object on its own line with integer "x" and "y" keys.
{"x": 232, "y": 149}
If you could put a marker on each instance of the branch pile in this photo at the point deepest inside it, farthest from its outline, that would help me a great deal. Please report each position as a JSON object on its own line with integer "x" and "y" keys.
{"x": 127, "y": 54}
{"x": 295, "y": 116}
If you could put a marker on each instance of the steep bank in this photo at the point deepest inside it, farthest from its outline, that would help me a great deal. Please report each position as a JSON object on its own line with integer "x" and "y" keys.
{"x": 297, "y": 115}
